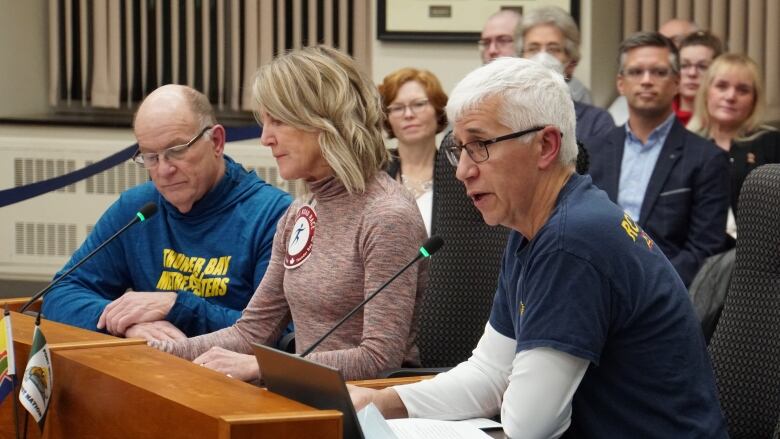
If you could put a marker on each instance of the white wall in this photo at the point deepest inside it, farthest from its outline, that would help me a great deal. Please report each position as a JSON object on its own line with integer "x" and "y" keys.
{"x": 23, "y": 57}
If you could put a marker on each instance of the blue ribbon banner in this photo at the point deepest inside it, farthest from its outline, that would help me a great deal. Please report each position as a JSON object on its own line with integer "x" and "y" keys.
{"x": 17, "y": 194}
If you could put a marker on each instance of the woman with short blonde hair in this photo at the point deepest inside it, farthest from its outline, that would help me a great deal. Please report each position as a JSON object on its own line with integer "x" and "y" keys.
{"x": 351, "y": 232}
{"x": 338, "y": 101}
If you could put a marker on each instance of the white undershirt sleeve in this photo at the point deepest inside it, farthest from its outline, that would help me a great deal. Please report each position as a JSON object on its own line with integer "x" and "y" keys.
{"x": 474, "y": 388}
{"x": 537, "y": 403}
{"x": 533, "y": 389}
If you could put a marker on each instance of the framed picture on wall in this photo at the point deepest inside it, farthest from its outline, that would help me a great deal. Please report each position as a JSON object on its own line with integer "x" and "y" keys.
{"x": 449, "y": 20}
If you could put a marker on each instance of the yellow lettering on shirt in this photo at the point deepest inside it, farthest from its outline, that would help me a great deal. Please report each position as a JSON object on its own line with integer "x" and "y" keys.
{"x": 187, "y": 273}
{"x": 631, "y": 228}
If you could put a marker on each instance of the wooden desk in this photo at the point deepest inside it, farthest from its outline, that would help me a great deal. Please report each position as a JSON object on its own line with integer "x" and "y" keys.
{"x": 59, "y": 337}
{"x": 16, "y": 304}
{"x": 108, "y": 387}
{"x": 139, "y": 392}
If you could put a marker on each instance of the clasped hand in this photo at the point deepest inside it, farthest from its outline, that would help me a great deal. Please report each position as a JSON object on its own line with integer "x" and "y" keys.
{"x": 135, "y": 307}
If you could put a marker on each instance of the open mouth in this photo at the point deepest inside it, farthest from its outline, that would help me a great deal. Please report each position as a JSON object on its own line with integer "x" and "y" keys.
{"x": 477, "y": 197}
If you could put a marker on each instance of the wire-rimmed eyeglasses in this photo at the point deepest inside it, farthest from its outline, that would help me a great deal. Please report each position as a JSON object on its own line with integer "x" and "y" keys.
{"x": 398, "y": 110}
{"x": 477, "y": 150}
{"x": 150, "y": 160}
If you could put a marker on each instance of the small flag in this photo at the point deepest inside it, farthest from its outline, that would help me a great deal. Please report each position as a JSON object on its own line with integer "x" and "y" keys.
{"x": 7, "y": 364}
{"x": 38, "y": 379}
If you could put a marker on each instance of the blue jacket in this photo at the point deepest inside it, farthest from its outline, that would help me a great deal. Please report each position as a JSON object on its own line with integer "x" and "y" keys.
{"x": 687, "y": 198}
{"x": 213, "y": 257}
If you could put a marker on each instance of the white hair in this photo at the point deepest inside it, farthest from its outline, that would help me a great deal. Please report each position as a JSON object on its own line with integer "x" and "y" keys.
{"x": 556, "y": 17}
{"x": 529, "y": 94}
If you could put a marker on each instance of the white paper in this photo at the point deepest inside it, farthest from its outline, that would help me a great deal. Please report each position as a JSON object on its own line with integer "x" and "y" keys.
{"x": 482, "y": 423}
{"x": 373, "y": 424}
{"x": 413, "y": 428}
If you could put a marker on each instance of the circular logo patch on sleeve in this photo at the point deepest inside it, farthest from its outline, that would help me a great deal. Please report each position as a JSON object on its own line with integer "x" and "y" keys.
{"x": 300, "y": 243}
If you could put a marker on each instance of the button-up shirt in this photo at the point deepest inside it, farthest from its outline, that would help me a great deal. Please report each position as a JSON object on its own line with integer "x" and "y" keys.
{"x": 637, "y": 166}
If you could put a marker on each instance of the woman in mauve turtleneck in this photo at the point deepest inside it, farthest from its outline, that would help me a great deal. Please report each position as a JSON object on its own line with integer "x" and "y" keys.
{"x": 350, "y": 233}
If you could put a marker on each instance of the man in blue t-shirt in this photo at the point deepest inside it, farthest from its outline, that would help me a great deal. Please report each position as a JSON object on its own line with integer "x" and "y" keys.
{"x": 191, "y": 268}
{"x": 592, "y": 333}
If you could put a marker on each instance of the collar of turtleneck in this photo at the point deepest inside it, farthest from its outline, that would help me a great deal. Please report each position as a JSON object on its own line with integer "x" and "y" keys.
{"x": 328, "y": 188}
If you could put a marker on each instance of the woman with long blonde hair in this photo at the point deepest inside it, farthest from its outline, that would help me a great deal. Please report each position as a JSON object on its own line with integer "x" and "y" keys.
{"x": 729, "y": 110}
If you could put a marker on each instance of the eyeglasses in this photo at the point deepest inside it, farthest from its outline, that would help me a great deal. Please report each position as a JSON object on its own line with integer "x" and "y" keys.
{"x": 150, "y": 160}
{"x": 552, "y": 49}
{"x": 477, "y": 150}
{"x": 655, "y": 72}
{"x": 699, "y": 67}
{"x": 398, "y": 110}
{"x": 500, "y": 41}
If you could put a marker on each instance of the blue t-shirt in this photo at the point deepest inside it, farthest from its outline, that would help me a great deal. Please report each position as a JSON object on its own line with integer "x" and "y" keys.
{"x": 213, "y": 257}
{"x": 592, "y": 284}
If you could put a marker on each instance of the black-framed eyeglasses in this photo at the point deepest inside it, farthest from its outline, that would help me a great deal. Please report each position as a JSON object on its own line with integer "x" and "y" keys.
{"x": 150, "y": 160}
{"x": 477, "y": 150}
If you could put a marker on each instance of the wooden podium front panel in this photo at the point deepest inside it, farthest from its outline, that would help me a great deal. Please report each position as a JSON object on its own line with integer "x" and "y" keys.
{"x": 137, "y": 391}
{"x": 59, "y": 337}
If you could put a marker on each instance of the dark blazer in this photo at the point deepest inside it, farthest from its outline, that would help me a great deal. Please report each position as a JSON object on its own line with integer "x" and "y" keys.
{"x": 748, "y": 155}
{"x": 687, "y": 198}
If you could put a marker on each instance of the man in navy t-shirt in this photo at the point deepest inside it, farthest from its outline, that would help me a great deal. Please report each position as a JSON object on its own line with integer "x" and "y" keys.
{"x": 592, "y": 333}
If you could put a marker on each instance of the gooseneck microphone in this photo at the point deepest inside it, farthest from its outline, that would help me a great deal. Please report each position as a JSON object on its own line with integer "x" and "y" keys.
{"x": 144, "y": 213}
{"x": 429, "y": 247}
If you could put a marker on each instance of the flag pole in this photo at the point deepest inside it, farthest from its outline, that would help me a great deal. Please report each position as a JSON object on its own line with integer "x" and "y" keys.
{"x": 26, "y": 416}
{"x": 16, "y": 409}
{"x": 11, "y": 368}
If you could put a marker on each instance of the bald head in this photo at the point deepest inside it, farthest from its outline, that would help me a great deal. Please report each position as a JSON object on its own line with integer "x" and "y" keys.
{"x": 185, "y": 102}
{"x": 677, "y": 29}
{"x": 498, "y": 35}
{"x": 168, "y": 119}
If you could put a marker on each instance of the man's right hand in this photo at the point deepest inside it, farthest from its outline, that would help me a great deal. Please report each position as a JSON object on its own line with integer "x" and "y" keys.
{"x": 386, "y": 400}
{"x": 157, "y": 330}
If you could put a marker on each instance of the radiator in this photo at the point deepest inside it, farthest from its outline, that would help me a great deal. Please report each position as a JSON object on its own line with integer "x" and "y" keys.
{"x": 38, "y": 236}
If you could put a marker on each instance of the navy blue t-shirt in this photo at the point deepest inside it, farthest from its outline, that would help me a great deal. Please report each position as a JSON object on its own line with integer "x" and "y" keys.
{"x": 592, "y": 284}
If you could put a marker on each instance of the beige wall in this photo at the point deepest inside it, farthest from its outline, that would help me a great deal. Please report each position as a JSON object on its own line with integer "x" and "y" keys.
{"x": 23, "y": 57}
{"x": 598, "y": 66}
{"x": 24, "y": 42}
{"x": 452, "y": 61}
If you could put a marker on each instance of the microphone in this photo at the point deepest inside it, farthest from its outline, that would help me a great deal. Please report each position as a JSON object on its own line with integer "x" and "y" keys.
{"x": 144, "y": 213}
{"x": 429, "y": 247}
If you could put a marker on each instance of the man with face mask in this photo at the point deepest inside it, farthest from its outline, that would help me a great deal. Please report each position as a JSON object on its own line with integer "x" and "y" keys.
{"x": 550, "y": 36}
{"x": 552, "y": 30}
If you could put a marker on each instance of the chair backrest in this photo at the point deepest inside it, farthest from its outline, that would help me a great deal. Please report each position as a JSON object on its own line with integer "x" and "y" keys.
{"x": 462, "y": 276}
{"x": 745, "y": 347}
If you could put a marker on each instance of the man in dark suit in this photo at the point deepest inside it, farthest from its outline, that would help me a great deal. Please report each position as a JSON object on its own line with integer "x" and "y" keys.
{"x": 673, "y": 183}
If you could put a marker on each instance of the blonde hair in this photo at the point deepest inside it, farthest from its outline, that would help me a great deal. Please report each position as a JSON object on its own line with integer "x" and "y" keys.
{"x": 321, "y": 89}
{"x": 701, "y": 122}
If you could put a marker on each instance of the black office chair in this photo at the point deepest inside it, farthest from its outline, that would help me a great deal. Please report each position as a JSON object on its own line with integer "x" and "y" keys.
{"x": 462, "y": 277}
{"x": 745, "y": 347}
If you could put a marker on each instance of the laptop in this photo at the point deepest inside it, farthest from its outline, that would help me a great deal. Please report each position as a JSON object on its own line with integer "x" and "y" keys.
{"x": 308, "y": 382}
